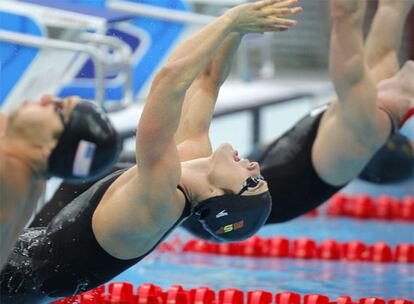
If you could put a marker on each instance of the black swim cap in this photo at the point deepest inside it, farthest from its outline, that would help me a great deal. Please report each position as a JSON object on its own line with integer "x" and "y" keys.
{"x": 88, "y": 146}
{"x": 234, "y": 217}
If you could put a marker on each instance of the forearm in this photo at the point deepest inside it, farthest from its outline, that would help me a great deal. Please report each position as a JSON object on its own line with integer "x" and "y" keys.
{"x": 190, "y": 58}
{"x": 384, "y": 38}
{"x": 161, "y": 115}
{"x": 346, "y": 63}
{"x": 219, "y": 67}
{"x": 201, "y": 97}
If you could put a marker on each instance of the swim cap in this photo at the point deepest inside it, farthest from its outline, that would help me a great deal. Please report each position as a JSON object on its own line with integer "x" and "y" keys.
{"x": 88, "y": 146}
{"x": 193, "y": 226}
{"x": 233, "y": 217}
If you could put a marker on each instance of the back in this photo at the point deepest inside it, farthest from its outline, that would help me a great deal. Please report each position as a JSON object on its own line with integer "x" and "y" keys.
{"x": 287, "y": 166}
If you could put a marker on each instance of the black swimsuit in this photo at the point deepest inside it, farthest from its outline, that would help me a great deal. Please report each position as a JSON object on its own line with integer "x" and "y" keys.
{"x": 64, "y": 258}
{"x": 287, "y": 166}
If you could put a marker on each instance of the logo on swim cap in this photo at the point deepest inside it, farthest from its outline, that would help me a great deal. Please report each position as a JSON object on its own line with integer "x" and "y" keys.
{"x": 83, "y": 158}
{"x": 231, "y": 227}
{"x": 234, "y": 217}
{"x": 221, "y": 214}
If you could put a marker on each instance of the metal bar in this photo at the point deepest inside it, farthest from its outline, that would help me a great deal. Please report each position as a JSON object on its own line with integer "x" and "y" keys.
{"x": 261, "y": 105}
{"x": 256, "y": 132}
{"x": 39, "y": 42}
{"x": 124, "y": 135}
{"x": 160, "y": 12}
{"x": 124, "y": 63}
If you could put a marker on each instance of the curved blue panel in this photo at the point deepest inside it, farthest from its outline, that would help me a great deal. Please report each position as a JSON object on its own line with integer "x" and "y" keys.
{"x": 15, "y": 59}
{"x": 163, "y": 34}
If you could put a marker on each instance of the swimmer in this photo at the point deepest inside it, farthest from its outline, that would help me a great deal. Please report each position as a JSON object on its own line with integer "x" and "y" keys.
{"x": 123, "y": 217}
{"x": 393, "y": 163}
{"x": 325, "y": 150}
{"x": 39, "y": 140}
{"x": 284, "y": 172}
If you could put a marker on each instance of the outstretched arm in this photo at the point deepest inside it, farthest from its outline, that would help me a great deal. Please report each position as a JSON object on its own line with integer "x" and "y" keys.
{"x": 192, "y": 135}
{"x": 349, "y": 71}
{"x": 353, "y": 127}
{"x": 161, "y": 115}
{"x": 384, "y": 38}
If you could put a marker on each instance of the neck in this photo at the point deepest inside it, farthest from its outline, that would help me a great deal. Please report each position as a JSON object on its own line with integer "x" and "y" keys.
{"x": 195, "y": 181}
{"x": 12, "y": 147}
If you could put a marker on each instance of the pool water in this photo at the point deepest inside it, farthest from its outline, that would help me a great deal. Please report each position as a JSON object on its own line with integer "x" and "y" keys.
{"x": 332, "y": 278}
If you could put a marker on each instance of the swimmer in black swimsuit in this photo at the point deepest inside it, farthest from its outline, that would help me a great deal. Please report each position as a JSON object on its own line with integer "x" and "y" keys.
{"x": 332, "y": 145}
{"x": 121, "y": 218}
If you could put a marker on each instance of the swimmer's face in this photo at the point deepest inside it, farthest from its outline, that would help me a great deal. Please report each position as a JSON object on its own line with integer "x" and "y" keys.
{"x": 229, "y": 172}
{"x": 40, "y": 122}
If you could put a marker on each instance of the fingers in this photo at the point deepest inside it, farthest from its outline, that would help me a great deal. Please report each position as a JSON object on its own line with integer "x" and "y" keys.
{"x": 274, "y": 3}
{"x": 264, "y": 3}
{"x": 285, "y": 3}
{"x": 282, "y": 22}
{"x": 281, "y": 12}
{"x": 274, "y": 28}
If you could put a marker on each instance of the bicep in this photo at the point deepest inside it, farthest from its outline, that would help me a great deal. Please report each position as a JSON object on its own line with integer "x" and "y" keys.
{"x": 156, "y": 128}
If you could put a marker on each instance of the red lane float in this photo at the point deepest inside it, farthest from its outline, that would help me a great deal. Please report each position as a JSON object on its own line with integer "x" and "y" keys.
{"x": 122, "y": 293}
{"x": 287, "y": 298}
{"x": 363, "y": 206}
{"x": 305, "y": 248}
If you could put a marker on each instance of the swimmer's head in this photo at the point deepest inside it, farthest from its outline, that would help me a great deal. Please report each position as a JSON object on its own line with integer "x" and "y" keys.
{"x": 244, "y": 203}
{"x": 39, "y": 123}
{"x": 74, "y": 138}
{"x": 87, "y": 148}
{"x": 228, "y": 171}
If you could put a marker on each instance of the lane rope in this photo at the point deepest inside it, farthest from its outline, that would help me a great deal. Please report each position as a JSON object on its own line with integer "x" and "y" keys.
{"x": 300, "y": 248}
{"x": 125, "y": 293}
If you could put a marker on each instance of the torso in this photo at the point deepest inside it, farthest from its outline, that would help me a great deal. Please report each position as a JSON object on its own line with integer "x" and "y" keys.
{"x": 64, "y": 258}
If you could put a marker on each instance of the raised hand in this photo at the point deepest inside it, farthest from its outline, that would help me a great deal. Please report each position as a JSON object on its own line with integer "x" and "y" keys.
{"x": 263, "y": 16}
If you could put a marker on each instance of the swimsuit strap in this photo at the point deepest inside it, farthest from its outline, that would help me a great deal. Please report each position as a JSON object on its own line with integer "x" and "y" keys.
{"x": 188, "y": 207}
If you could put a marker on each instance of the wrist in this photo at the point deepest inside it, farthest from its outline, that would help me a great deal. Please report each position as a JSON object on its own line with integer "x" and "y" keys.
{"x": 229, "y": 21}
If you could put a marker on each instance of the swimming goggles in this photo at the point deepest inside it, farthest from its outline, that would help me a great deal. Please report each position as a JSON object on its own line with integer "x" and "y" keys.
{"x": 251, "y": 183}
